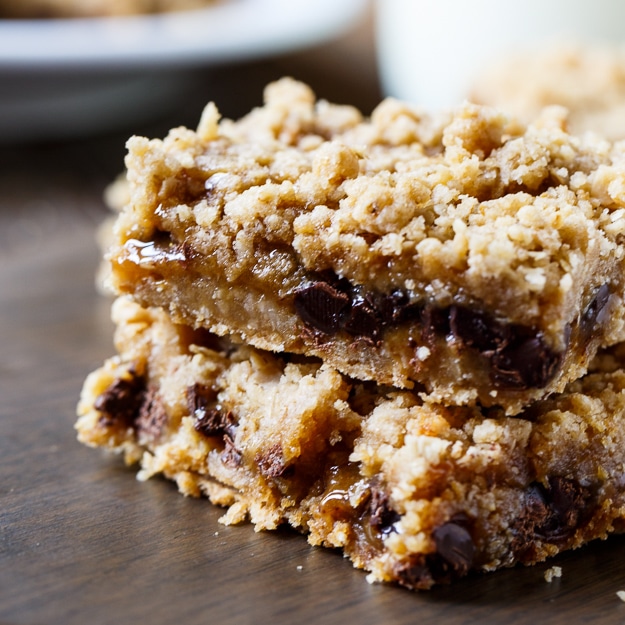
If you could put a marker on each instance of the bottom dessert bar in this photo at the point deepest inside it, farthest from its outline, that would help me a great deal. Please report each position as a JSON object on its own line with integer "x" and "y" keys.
{"x": 414, "y": 493}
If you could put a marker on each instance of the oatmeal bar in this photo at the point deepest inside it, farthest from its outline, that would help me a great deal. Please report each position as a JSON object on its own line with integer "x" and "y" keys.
{"x": 414, "y": 493}
{"x": 462, "y": 253}
{"x": 589, "y": 80}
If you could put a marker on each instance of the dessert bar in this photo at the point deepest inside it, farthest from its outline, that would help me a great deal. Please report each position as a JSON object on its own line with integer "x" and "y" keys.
{"x": 414, "y": 493}
{"x": 463, "y": 255}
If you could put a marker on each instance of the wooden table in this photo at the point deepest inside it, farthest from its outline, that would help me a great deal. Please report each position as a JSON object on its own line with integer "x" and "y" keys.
{"x": 81, "y": 541}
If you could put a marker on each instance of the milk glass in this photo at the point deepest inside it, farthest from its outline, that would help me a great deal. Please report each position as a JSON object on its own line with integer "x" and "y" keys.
{"x": 429, "y": 51}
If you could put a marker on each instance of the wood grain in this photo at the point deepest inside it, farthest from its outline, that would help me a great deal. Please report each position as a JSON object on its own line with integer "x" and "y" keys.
{"x": 81, "y": 541}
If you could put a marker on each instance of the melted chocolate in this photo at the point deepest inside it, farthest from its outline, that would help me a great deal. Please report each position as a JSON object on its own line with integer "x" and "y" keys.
{"x": 130, "y": 402}
{"x": 152, "y": 417}
{"x": 121, "y": 401}
{"x": 381, "y": 516}
{"x": 551, "y": 514}
{"x": 455, "y": 551}
{"x": 518, "y": 356}
{"x": 453, "y": 558}
{"x": 272, "y": 464}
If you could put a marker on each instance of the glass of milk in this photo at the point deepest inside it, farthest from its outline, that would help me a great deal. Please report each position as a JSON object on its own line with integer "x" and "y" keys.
{"x": 429, "y": 51}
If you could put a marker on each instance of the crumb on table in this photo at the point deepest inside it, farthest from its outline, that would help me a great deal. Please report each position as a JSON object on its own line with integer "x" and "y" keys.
{"x": 555, "y": 571}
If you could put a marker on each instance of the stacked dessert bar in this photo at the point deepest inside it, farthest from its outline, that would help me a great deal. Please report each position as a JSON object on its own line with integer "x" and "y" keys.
{"x": 399, "y": 334}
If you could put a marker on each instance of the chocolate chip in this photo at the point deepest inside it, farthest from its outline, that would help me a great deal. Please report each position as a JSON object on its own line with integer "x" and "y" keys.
{"x": 162, "y": 248}
{"x": 330, "y": 305}
{"x": 363, "y": 319}
{"x": 568, "y": 500}
{"x": 519, "y": 356}
{"x": 593, "y": 313}
{"x": 322, "y": 306}
{"x": 231, "y": 456}
{"x": 214, "y": 422}
{"x": 201, "y": 402}
{"x": 129, "y": 403}
{"x": 152, "y": 417}
{"x": 453, "y": 558}
{"x": 525, "y": 362}
{"x": 475, "y": 329}
{"x": 536, "y": 514}
{"x": 121, "y": 401}
{"x": 435, "y": 323}
{"x": 551, "y": 514}
{"x": 536, "y": 505}
{"x": 402, "y": 309}
{"x": 455, "y": 549}
{"x": 414, "y": 573}
{"x": 389, "y": 306}
{"x": 382, "y": 516}
{"x": 210, "y": 422}
{"x": 271, "y": 462}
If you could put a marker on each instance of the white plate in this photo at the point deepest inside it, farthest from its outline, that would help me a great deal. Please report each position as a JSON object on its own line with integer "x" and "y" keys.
{"x": 71, "y": 76}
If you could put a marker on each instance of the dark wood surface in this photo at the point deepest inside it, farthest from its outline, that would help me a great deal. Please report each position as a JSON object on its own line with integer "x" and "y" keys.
{"x": 82, "y": 541}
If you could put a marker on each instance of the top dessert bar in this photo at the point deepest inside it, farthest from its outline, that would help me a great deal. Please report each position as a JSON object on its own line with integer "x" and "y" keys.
{"x": 462, "y": 254}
